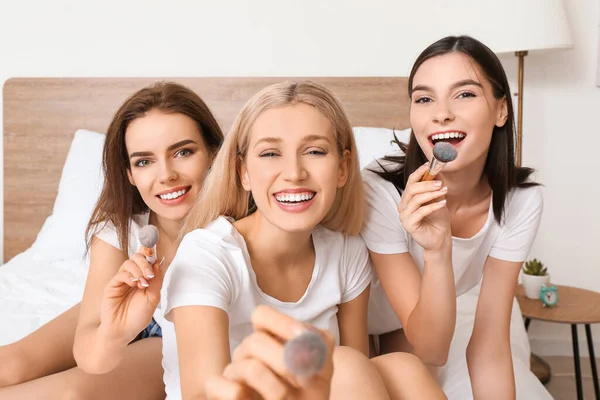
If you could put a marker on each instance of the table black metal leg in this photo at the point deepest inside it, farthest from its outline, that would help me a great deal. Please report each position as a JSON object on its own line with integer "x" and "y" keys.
{"x": 588, "y": 334}
{"x": 527, "y": 322}
{"x": 577, "y": 363}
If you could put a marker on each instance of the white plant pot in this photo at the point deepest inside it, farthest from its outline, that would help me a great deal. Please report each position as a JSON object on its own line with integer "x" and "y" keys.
{"x": 533, "y": 285}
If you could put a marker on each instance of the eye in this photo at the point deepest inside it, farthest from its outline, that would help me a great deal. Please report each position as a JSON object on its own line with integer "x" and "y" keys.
{"x": 465, "y": 95}
{"x": 184, "y": 153}
{"x": 268, "y": 154}
{"x": 316, "y": 152}
{"x": 424, "y": 99}
{"x": 142, "y": 163}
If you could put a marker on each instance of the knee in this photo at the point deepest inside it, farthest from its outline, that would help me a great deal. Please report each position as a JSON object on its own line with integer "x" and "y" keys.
{"x": 406, "y": 362}
{"x": 407, "y": 365}
{"x": 351, "y": 364}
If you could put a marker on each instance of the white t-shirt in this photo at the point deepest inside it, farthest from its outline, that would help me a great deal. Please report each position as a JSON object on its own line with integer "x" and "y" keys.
{"x": 384, "y": 234}
{"x": 212, "y": 268}
{"x": 108, "y": 233}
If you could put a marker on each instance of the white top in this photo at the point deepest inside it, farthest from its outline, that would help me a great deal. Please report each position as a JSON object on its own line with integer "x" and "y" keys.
{"x": 108, "y": 233}
{"x": 212, "y": 268}
{"x": 384, "y": 234}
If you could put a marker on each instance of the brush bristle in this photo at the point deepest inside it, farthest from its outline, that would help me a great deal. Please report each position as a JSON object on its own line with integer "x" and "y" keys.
{"x": 304, "y": 356}
{"x": 444, "y": 152}
{"x": 149, "y": 236}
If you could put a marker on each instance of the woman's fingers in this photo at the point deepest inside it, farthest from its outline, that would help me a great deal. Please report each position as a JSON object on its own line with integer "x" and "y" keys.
{"x": 284, "y": 328}
{"x": 220, "y": 388}
{"x": 136, "y": 274}
{"x": 415, "y": 189}
{"x": 143, "y": 264}
{"x": 276, "y": 324}
{"x": 259, "y": 377}
{"x": 421, "y": 199}
{"x": 267, "y": 350}
{"x": 119, "y": 284}
{"x": 414, "y": 219}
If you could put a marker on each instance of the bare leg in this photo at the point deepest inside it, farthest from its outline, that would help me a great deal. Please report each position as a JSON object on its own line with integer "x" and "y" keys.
{"x": 407, "y": 378}
{"x": 43, "y": 352}
{"x": 139, "y": 376}
{"x": 355, "y": 377}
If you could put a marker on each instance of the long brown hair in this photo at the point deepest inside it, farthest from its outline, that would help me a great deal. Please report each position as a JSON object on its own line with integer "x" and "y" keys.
{"x": 500, "y": 168}
{"x": 119, "y": 200}
{"x": 223, "y": 193}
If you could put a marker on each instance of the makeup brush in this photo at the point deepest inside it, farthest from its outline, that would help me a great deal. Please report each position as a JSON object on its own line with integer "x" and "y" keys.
{"x": 304, "y": 355}
{"x": 148, "y": 239}
{"x": 443, "y": 153}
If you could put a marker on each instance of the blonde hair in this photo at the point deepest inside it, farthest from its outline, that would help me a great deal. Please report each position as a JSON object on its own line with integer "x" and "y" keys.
{"x": 223, "y": 193}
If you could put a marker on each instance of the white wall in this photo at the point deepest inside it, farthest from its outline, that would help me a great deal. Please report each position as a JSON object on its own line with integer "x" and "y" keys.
{"x": 66, "y": 38}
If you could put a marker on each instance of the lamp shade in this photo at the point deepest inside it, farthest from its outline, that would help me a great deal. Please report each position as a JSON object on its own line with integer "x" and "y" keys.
{"x": 519, "y": 25}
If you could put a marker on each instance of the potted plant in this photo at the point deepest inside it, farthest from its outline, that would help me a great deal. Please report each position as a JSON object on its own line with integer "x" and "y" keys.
{"x": 535, "y": 275}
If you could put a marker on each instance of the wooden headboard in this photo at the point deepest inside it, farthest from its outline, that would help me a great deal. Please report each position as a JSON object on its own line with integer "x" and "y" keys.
{"x": 41, "y": 116}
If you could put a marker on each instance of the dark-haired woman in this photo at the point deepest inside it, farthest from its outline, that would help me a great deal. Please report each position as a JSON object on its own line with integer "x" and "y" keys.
{"x": 474, "y": 223}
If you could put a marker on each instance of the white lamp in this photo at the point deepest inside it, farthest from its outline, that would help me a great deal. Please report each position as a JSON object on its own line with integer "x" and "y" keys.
{"x": 533, "y": 25}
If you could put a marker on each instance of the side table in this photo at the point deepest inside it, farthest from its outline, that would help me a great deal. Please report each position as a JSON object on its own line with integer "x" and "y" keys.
{"x": 575, "y": 306}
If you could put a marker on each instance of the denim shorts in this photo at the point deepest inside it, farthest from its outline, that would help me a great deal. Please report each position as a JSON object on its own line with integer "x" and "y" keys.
{"x": 152, "y": 330}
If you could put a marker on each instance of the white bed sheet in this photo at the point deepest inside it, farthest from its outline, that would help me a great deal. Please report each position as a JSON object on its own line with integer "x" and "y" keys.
{"x": 32, "y": 292}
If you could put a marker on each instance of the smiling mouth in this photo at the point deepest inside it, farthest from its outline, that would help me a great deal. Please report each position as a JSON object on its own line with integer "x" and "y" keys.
{"x": 174, "y": 195}
{"x": 294, "y": 198}
{"x": 453, "y": 138}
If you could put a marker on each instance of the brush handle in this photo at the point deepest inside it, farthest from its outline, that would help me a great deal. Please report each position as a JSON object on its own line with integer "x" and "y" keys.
{"x": 150, "y": 258}
{"x": 430, "y": 175}
{"x": 434, "y": 168}
{"x": 427, "y": 177}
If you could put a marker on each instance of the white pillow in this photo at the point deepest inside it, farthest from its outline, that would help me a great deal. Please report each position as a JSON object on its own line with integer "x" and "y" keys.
{"x": 374, "y": 143}
{"x": 62, "y": 235}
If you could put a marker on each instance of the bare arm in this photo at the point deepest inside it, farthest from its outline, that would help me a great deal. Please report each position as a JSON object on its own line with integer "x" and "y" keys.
{"x": 92, "y": 344}
{"x": 352, "y": 320}
{"x": 425, "y": 305}
{"x": 202, "y": 346}
{"x": 489, "y": 356}
{"x": 115, "y": 307}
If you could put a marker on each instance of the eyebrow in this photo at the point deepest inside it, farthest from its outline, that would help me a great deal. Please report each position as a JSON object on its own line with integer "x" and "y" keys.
{"x": 307, "y": 138}
{"x": 464, "y": 82}
{"x": 171, "y": 147}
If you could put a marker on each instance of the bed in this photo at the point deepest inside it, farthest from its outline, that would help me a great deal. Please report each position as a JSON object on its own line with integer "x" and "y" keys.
{"x": 53, "y": 136}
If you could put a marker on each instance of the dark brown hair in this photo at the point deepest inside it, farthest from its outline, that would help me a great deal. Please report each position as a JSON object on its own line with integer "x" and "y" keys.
{"x": 119, "y": 200}
{"x": 500, "y": 168}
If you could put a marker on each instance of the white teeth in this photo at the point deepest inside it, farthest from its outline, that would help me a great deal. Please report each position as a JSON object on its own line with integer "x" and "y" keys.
{"x": 294, "y": 197}
{"x": 173, "y": 195}
{"x": 447, "y": 135}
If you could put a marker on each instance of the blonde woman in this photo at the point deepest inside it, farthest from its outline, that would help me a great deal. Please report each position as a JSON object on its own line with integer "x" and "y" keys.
{"x": 276, "y": 225}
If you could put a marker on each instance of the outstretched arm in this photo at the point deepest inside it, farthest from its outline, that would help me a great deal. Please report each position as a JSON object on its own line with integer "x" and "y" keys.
{"x": 489, "y": 356}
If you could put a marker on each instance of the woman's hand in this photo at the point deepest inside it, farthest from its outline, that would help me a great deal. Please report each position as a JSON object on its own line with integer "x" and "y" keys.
{"x": 258, "y": 370}
{"x": 423, "y": 214}
{"x": 131, "y": 297}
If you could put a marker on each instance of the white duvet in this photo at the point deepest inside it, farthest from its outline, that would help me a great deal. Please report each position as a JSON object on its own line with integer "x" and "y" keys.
{"x": 33, "y": 291}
